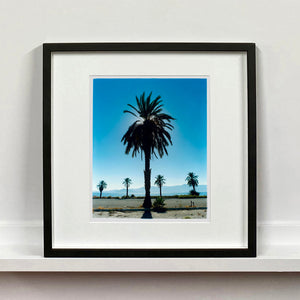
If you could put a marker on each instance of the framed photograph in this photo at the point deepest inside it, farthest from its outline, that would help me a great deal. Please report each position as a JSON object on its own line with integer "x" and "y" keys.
{"x": 149, "y": 150}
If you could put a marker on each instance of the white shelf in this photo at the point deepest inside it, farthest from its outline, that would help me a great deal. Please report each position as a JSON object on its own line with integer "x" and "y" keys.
{"x": 30, "y": 259}
{"x": 21, "y": 251}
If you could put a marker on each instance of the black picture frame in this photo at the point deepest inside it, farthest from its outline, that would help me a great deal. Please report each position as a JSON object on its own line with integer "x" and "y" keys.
{"x": 249, "y": 48}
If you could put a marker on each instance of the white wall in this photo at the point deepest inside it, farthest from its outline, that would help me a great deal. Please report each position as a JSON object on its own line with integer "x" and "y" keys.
{"x": 273, "y": 25}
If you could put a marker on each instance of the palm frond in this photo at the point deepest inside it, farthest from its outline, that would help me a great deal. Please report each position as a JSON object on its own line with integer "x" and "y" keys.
{"x": 150, "y": 131}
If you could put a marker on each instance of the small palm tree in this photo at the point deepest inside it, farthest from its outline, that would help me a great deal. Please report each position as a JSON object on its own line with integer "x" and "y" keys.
{"x": 192, "y": 180}
{"x": 127, "y": 182}
{"x": 160, "y": 181}
{"x": 148, "y": 135}
{"x": 101, "y": 186}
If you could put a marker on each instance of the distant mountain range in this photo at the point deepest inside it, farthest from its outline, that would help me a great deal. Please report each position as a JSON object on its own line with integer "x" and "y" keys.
{"x": 166, "y": 190}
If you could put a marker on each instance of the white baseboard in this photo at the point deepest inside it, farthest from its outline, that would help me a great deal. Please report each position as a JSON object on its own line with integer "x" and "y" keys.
{"x": 278, "y": 233}
{"x": 21, "y": 233}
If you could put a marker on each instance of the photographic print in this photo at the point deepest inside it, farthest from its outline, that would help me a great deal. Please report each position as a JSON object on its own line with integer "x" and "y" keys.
{"x": 149, "y": 148}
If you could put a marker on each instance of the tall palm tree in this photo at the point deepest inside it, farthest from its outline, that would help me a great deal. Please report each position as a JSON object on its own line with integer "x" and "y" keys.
{"x": 101, "y": 186}
{"x": 160, "y": 181}
{"x": 192, "y": 180}
{"x": 127, "y": 182}
{"x": 148, "y": 135}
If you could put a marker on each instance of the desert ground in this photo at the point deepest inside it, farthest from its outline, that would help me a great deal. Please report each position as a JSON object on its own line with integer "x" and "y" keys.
{"x": 192, "y": 208}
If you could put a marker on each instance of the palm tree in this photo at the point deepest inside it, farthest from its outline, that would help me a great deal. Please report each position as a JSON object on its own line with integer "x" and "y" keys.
{"x": 101, "y": 186}
{"x": 160, "y": 181}
{"x": 148, "y": 135}
{"x": 127, "y": 182}
{"x": 192, "y": 180}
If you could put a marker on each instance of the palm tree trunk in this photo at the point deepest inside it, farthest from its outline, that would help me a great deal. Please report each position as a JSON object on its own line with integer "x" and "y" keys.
{"x": 147, "y": 179}
{"x": 127, "y": 191}
{"x": 194, "y": 188}
{"x": 100, "y": 194}
{"x": 160, "y": 190}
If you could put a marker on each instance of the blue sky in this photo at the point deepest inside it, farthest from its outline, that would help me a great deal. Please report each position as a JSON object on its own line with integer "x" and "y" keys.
{"x": 183, "y": 98}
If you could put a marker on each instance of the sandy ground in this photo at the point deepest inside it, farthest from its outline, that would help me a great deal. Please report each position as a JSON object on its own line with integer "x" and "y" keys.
{"x": 137, "y": 203}
{"x": 173, "y": 214}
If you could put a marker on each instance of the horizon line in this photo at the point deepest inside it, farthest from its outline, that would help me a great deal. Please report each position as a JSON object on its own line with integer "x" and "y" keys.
{"x": 124, "y": 188}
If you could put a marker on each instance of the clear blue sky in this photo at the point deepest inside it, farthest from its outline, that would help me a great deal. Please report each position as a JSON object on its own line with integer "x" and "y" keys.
{"x": 183, "y": 98}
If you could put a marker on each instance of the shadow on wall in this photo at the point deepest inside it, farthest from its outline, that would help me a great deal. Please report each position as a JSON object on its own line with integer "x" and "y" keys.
{"x": 32, "y": 199}
{"x": 163, "y": 285}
